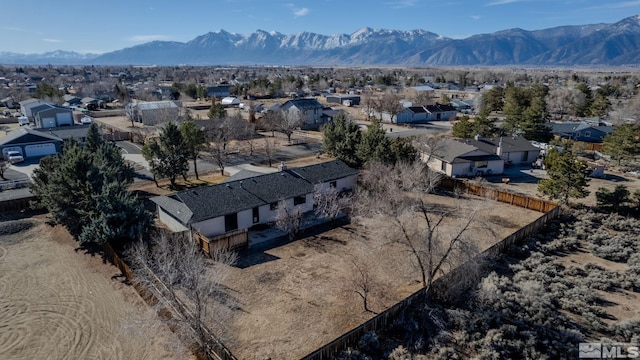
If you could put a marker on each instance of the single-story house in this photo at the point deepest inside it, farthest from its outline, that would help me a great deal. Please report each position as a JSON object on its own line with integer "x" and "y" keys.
{"x": 31, "y": 143}
{"x": 71, "y": 100}
{"x": 513, "y": 150}
{"x": 335, "y": 174}
{"x": 412, "y": 115}
{"x": 8, "y": 102}
{"x": 65, "y": 133}
{"x": 308, "y": 108}
{"x": 247, "y": 201}
{"x": 344, "y": 99}
{"x": 219, "y": 91}
{"x": 48, "y": 116}
{"x": 440, "y": 112}
{"x": 581, "y": 131}
{"x": 156, "y": 112}
{"x": 458, "y": 159}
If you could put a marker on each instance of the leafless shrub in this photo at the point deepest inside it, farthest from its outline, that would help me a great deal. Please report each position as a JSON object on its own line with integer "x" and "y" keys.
{"x": 174, "y": 269}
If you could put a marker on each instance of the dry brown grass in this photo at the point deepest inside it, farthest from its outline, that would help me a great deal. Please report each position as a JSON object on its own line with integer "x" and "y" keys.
{"x": 299, "y": 296}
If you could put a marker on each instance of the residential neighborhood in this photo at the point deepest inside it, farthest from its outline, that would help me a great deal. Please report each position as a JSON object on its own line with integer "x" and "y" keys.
{"x": 291, "y": 193}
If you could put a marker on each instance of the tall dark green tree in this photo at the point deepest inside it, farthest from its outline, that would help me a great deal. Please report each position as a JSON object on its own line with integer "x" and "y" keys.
{"x": 463, "y": 128}
{"x": 168, "y": 155}
{"x": 375, "y": 145}
{"x": 217, "y": 111}
{"x": 526, "y": 112}
{"x": 341, "y": 138}
{"x": 568, "y": 178}
{"x": 93, "y": 140}
{"x": 195, "y": 142}
{"x": 86, "y": 191}
{"x": 46, "y": 91}
{"x": 622, "y": 142}
{"x": 583, "y": 108}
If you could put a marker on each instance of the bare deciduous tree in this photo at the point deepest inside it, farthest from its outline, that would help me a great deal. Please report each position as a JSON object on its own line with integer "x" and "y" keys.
{"x": 288, "y": 219}
{"x": 131, "y": 113}
{"x": 393, "y": 198}
{"x": 174, "y": 269}
{"x": 269, "y": 150}
{"x": 328, "y": 202}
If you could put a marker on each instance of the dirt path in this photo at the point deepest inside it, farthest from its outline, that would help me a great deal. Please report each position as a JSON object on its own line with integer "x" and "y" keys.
{"x": 56, "y": 303}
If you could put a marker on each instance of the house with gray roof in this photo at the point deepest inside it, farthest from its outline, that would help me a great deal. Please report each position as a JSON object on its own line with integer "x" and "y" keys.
{"x": 514, "y": 150}
{"x": 28, "y": 104}
{"x": 585, "y": 131}
{"x": 239, "y": 204}
{"x": 412, "y": 115}
{"x": 30, "y": 143}
{"x": 309, "y": 109}
{"x": 156, "y": 112}
{"x": 335, "y": 174}
{"x": 455, "y": 158}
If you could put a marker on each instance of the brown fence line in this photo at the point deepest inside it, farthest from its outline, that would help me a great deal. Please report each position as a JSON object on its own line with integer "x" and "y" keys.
{"x": 20, "y": 204}
{"x": 523, "y": 201}
{"x": 333, "y": 348}
{"x": 230, "y": 240}
{"x": 217, "y": 350}
{"x": 106, "y": 113}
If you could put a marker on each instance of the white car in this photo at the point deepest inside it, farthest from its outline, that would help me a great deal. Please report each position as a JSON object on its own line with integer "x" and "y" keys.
{"x": 14, "y": 157}
{"x": 86, "y": 120}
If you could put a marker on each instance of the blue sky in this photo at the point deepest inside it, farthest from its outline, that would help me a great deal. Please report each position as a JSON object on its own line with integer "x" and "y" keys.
{"x": 36, "y": 26}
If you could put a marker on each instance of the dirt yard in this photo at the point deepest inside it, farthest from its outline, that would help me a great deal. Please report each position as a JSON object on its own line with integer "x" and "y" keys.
{"x": 57, "y": 303}
{"x": 294, "y": 298}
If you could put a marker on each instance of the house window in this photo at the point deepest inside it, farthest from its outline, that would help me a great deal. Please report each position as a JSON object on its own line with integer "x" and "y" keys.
{"x": 256, "y": 215}
{"x": 481, "y": 164}
{"x": 231, "y": 222}
{"x": 443, "y": 166}
{"x": 525, "y": 156}
{"x": 273, "y": 206}
{"x": 298, "y": 200}
{"x": 438, "y": 116}
{"x": 333, "y": 184}
{"x": 587, "y": 133}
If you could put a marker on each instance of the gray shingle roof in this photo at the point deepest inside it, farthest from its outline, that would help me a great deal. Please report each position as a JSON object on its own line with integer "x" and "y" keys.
{"x": 323, "y": 172}
{"x": 449, "y": 149}
{"x": 277, "y": 186}
{"x": 174, "y": 207}
{"x": 305, "y": 103}
{"x": 217, "y": 200}
{"x": 509, "y": 144}
{"x": 67, "y": 132}
{"x": 25, "y": 135}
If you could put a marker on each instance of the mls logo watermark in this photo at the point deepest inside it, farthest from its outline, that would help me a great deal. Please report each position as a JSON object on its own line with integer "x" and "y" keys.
{"x": 608, "y": 351}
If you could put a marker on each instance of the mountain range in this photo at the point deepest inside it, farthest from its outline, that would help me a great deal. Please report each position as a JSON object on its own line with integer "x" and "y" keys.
{"x": 615, "y": 44}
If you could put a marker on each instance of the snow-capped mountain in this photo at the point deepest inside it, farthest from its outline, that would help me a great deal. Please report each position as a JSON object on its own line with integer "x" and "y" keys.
{"x": 587, "y": 45}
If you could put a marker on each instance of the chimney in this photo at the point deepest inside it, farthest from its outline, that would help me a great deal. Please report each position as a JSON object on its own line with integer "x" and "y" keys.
{"x": 282, "y": 166}
{"x": 499, "y": 149}
{"x": 477, "y": 137}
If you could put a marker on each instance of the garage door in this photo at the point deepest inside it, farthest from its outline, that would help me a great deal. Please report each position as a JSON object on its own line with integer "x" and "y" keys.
{"x": 11, "y": 148}
{"x": 39, "y": 150}
{"x": 64, "y": 119}
{"x": 48, "y": 122}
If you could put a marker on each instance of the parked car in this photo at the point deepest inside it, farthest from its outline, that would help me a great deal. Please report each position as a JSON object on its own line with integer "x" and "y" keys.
{"x": 14, "y": 157}
{"x": 85, "y": 120}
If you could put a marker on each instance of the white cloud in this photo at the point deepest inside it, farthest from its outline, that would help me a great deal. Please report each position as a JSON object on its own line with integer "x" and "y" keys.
{"x": 300, "y": 12}
{"x": 52, "y": 40}
{"x": 476, "y": 17}
{"x": 502, "y": 2}
{"x": 17, "y": 29}
{"x": 145, "y": 38}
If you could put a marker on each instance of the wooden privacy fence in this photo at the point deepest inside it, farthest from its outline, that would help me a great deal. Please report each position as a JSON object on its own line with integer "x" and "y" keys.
{"x": 439, "y": 286}
{"x": 227, "y": 241}
{"x": 510, "y": 198}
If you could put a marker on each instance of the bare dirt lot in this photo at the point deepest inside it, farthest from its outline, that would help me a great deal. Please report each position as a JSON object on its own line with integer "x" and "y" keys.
{"x": 56, "y": 303}
{"x": 296, "y": 297}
